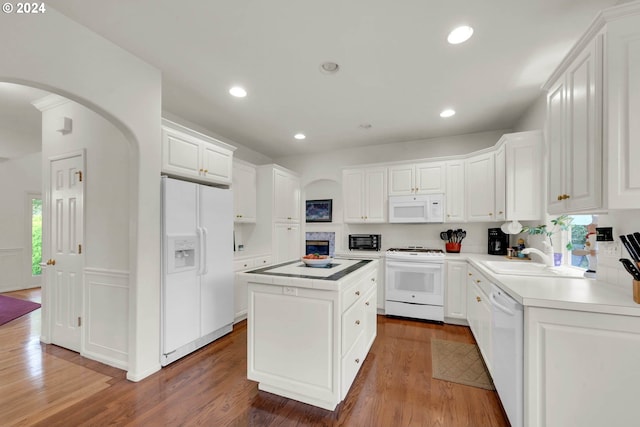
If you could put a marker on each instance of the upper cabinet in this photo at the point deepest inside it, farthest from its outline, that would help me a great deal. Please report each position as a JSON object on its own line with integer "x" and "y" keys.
{"x": 455, "y": 191}
{"x": 523, "y": 175}
{"x": 501, "y": 183}
{"x": 420, "y": 178}
{"x": 192, "y": 155}
{"x": 364, "y": 193}
{"x": 480, "y": 187}
{"x": 244, "y": 192}
{"x": 286, "y": 202}
{"x": 623, "y": 109}
{"x": 574, "y": 123}
{"x": 593, "y": 101}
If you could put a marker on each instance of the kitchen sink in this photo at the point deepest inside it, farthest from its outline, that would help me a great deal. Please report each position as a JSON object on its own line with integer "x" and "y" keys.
{"x": 525, "y": 268}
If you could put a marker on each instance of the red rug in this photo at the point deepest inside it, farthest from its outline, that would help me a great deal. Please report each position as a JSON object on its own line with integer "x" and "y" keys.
{"x": 12, "y": 308}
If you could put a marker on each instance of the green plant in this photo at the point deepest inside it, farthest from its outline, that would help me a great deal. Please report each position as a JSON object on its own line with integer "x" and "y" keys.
{"x": 561, "y": 223}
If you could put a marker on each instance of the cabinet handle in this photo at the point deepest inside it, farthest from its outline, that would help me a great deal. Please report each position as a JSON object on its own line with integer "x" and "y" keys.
{"x": 288, "y": 228}
{"x": 373, "y": 279}
{"x": 357, "y": 322}
{"x": 559, "y": 196}
{"x": 365, "y": 217}
{"x": 500, "y": 212}
{"x": 470, "y": 274}
{"x": 206, "y": 171}
{"x": 358, "y": 293}
{"x": 477, "y": 280}
{"x": 478, "y": 299}
{"x": 288, "y": 217}
{"x": 366, "y": 303}
{"x": 245, "y": 265}
{"x": 490, "y": 213}
{"x": 357, "y": 360}
{"x": 264, "y": 261}
{"x": 566, "y": 196}
{"x": 201, "y": 170}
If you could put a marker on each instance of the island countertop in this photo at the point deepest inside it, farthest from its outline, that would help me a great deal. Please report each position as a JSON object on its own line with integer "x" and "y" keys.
{"x": 296, "y": 273}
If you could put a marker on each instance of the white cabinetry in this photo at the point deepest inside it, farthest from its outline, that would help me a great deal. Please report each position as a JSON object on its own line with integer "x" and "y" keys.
{"x": 240, "y": 283}
{"x": 364, "y": 193}
{"x": 309, "y": 344}
{"x": 623, "y": 109}
{"x": 524, "y": 179}
{"x": 501, "y": 184}
{"x": 480, "y": 186}
{"x": 574, "y": 126}
{"x": 455, "y": 191}
{"x": 420, "y": 178}
{"x": 278, "y": 225}
{"x": 479, "y": 313}
{"x": 244, "y": 192}
{"x": 581, "y": 368}
{"x": 192, "y": 155}
{"x": 455, "y": 297}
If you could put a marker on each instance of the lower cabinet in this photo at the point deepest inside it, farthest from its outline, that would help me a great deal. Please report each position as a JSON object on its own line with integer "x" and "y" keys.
{"x": 309, "y": 344}
{"x": 240, "y": 283}
{"x": 479, "y": 314}
{"x": 455, "y": 298}
{"x": 581, "y": 369}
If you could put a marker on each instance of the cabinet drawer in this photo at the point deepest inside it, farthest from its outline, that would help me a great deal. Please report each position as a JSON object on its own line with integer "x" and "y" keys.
{"x": 357, "y": 291}
{"x": 243, "y": 264}
{"x": 353, "y": 324}
{"x": 262, "y": 262}
{"x": 351, "y": 365}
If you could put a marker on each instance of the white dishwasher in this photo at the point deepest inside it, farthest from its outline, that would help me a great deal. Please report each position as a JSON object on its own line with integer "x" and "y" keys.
{"x": 507, "y": 330}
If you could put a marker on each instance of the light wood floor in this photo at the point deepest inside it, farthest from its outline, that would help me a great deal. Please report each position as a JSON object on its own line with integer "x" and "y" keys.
{"x": 46, "y": 385}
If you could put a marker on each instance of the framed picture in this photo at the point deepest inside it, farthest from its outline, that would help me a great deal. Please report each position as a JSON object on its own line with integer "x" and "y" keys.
{"x": 319, "y": 210}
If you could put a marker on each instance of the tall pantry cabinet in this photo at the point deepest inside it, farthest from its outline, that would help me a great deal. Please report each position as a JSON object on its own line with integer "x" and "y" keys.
{"x": 279, "y": 213}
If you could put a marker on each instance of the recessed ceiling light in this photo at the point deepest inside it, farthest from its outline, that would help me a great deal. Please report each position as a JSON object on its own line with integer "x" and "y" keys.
{"x": 460, "y": 34}
{"x": 238, "y": 92}
{"x": 329, "y": 67}
{"x": 447, "y": 113}
{"x": 299, "y": 136}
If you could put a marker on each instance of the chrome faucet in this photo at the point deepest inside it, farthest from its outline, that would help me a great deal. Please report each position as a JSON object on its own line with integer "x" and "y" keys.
{"x": 547, "y": 258}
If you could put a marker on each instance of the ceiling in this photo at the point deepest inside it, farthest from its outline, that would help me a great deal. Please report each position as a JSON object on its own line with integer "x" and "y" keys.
{"x": 20, "y": 121}
{"x": 397, "y": 72}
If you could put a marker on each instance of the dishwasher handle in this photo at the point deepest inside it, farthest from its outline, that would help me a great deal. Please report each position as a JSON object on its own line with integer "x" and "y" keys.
{"x": 498, "y": 305}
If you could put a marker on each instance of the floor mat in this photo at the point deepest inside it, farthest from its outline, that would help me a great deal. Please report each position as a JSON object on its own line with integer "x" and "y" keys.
{"x": 459, "y": 362}
{"x": 12, "y": 308}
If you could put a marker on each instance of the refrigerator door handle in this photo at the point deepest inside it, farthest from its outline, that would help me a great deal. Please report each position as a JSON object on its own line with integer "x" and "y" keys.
{"x": 205, "y": 235}
{"x": 200, "y": 250}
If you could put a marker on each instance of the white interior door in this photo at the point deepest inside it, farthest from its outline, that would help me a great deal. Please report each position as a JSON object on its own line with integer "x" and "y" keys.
{"x": 66, "y": 262}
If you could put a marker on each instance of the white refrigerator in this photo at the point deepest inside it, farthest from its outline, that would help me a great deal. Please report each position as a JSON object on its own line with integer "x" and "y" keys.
{"x": 197, "y": 267}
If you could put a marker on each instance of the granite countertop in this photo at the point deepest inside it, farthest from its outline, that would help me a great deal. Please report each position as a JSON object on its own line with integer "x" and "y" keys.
{"x": 296, "y": 273}
{"x": 557, "y": 292}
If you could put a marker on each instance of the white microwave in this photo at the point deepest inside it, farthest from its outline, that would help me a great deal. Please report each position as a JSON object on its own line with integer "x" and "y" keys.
{"x": 416, "y": 209}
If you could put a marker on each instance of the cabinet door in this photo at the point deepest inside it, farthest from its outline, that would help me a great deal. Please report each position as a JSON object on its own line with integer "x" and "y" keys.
{"x": 524, "y": 176}
{"x": 244, "y": 192}
{"x": 556, "y": 125}
{"x": 456, "y": 290}
{"x": 353, "y": 195}
{"x": 371, "y": 318}
{"x": 455, "y": 192}
{"x": 286, "y": 197}
{"x": 180, "y": 154}
{"x": 480, "y": 188}
{"x": 376, "y": 204}
{"x": 402, "y": 180}
{"x": 430, "y": 177}
{"x": 216, "y": 163}
{"x": 500, "y": 177}
{"x": 623, "y": 85}
{"x": 583, "y": 163}
{"x": 286, "y": 242}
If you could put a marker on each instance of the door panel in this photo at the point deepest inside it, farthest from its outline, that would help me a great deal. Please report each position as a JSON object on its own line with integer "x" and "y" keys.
{"x": 67, "y": 215}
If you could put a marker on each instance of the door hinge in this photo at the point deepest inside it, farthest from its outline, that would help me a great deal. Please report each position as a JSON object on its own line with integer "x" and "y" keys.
{"x": 79, "y": 173}
{"x": 79, "y": 321}
{"x": 79, "y": 249}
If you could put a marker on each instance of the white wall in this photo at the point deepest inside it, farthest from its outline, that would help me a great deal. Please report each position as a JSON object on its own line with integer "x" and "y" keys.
{"x": 54, "y": 53}
{"x": 18, "y": 177}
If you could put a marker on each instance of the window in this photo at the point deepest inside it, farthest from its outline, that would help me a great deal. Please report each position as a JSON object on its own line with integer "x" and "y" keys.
{"x": 36, "y": 236}
{"x": 578, "y": 239}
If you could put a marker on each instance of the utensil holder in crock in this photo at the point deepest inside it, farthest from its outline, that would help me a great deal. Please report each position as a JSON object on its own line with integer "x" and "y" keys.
{"x": 452, "y": 247}
{"x": 636, "y": 292}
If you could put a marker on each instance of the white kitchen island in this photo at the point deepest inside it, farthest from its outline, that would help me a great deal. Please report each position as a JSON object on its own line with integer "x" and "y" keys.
{"x": 310, "y": 329}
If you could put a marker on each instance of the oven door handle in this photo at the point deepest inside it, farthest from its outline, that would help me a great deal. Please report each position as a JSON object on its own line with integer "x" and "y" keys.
{"x": 423, "y": 265}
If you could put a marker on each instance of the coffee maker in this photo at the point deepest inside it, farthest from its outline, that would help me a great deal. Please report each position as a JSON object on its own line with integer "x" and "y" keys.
{"x": 498, "y": 242}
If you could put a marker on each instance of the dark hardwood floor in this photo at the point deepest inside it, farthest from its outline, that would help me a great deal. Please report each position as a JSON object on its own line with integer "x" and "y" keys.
{"x": 44, "y": 385}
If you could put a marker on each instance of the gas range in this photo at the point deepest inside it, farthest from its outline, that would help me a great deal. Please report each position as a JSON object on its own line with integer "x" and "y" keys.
{"x": 416, "y": 253}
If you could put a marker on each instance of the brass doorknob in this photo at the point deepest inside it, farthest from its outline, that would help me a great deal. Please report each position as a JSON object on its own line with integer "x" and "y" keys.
{"x": 478, "y": 299}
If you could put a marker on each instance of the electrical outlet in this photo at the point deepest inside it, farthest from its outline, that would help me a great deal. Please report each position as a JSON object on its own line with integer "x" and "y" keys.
{"x": 610, "y": 249}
